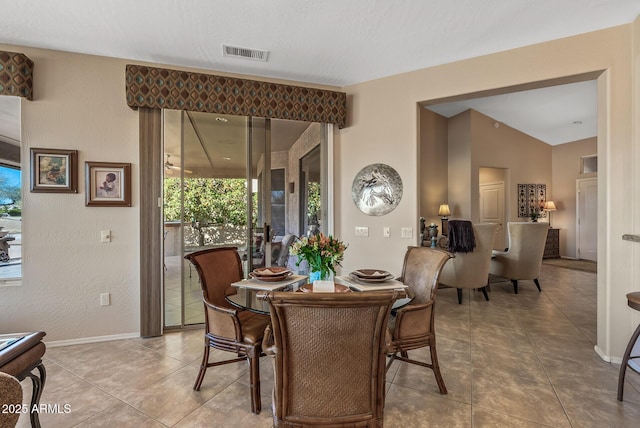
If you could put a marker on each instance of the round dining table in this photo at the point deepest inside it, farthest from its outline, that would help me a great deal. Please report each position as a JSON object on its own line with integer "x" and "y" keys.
{"x": 247, "y": 298}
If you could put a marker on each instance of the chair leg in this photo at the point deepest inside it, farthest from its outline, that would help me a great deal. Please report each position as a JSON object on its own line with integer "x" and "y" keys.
{"x": 38, "y": 386}
{"x": 254, "y": 381}
{"x": 436, "y": 366}
{"x": 515, "y": 285}
{"x": 203, "y": 365}
{"x": 484, "y": 292}
{"x": 625, "y": 360}
{"x": 459, "y": 296}
{"x": 537, "y": 284}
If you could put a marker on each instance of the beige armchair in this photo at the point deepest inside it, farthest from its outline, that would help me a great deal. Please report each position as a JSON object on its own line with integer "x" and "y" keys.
{"x": 523, "y": 258}
{"x": 471, "y": 270}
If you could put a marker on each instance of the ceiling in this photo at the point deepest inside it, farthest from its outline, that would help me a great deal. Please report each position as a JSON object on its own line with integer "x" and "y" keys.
{"x": 555, "y": 114}
{"x": 330, "y": 42}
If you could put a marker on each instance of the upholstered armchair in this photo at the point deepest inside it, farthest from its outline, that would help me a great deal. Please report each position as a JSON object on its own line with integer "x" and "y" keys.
{"x": 414, "y": 324}
{"x": 10, "y": 399}
{"x": 328, "y": 351}
{"x": 523, "y": 258}
{"x": 471, "y": 269}
{"x": 226, "y": 327}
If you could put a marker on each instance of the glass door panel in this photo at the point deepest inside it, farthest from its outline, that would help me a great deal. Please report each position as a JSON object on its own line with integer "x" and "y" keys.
{"x": 235, "y": 181}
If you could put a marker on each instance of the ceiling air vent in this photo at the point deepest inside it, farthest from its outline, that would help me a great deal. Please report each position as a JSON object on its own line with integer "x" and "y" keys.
{"x": 247, "y": 53}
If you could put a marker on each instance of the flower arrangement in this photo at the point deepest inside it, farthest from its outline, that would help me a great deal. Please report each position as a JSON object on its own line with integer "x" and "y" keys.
{"x": 534, "y": 215}
{"x": 321, "y": 252}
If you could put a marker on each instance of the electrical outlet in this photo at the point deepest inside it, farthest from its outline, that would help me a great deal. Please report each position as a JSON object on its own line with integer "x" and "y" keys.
{"x": 386, "y": 232}
{"x": 105, "y": 299}
{"x": 105, "y": 236}
{"x": 406, "y": 232}
{"x": 362, "y": 231}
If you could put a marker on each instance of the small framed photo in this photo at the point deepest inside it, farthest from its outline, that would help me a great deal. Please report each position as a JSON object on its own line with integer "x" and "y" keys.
{"x": 108, "y": 184}
{"x": 54, "y": 171}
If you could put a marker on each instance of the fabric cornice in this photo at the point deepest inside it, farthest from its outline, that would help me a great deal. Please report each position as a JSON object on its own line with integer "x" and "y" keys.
{"x": 152, "y": 87}
{"x": 16, "y": 75}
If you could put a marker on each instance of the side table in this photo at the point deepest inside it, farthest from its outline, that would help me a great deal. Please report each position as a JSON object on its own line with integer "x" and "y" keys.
{"x": 20, "y": 355}
{"x": 552, "y": 246}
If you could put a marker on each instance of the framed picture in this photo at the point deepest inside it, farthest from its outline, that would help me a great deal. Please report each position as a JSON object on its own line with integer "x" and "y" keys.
{"x": 54, "y": 171}
{"x": 108, "y": 184}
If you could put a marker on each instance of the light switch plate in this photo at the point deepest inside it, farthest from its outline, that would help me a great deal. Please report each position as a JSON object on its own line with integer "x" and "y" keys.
{"x": 105, "y": 236}
{"x": 386, "y": 232}
{"x": 406, "y": 232}
{"x": 362, "y": 231}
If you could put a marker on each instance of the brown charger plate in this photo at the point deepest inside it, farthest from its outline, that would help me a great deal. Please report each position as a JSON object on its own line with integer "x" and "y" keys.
{"x": 271, "y": 278}
{"x": 370, "y": 280}
{"x": 371, "y": 273}
{"x": 271, "y": 271}
{"x": 338, "y": 288}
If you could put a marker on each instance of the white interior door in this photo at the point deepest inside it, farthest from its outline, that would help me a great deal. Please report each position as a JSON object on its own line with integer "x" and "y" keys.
{"x": 492, "y": 210}
{"x": 587, "y": 216}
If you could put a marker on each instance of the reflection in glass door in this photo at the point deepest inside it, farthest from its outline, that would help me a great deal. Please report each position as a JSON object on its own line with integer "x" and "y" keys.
{"x": 226, "y": 178}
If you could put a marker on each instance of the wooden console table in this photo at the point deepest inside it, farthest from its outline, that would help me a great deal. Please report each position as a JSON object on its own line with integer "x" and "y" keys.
{"x": 552, "y": 247}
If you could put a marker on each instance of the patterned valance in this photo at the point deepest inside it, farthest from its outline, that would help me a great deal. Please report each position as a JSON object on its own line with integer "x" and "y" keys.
{"x": 16, "y": 75}
{"x": 181, "y": 90}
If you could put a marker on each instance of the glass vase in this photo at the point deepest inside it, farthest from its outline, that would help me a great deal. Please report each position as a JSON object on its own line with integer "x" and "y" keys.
{"x": 317, "y": 275}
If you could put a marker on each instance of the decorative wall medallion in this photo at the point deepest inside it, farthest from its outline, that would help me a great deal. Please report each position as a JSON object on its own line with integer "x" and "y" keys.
{"x": 376, "y": 189}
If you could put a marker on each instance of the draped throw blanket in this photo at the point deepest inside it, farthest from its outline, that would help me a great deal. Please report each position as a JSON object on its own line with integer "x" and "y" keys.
{"x": 461, "y": 237}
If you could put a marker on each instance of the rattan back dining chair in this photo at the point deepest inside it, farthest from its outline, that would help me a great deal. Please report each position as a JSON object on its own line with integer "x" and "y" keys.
{"x": 413, "y": 325}
{"x": 228, "y": 328}
{"x": 328, "y": 351}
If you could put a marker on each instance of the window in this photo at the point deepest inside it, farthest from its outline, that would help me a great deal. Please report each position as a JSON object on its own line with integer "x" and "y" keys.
{"x": 10, "y": 191}
{"x": 588, "y": 164}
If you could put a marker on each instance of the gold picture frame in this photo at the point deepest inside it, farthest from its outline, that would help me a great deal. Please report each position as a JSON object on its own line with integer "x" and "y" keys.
{"x": 108, "y": 184}
{"x": 54, "y": 171}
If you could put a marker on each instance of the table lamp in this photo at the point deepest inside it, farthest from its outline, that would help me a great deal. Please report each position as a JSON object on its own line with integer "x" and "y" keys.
{"x": 549, "y": 206}
{"x": 444, "y": 212}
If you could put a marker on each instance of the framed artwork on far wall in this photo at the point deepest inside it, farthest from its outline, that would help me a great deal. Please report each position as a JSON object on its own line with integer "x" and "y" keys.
{"x": 108, "y": 184}
{"x": 54, "y": 171}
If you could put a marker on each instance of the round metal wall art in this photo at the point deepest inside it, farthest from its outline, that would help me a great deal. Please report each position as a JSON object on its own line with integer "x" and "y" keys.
{"x": 376, "y": 189}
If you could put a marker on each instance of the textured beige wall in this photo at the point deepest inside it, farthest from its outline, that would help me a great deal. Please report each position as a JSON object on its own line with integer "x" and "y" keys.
{"x": 527, "y": 159}
{"x": 459, "y": 173}
{"x": 383, "y": 128}
{"x": 78, "y": 104}
{"x": 566, "y": 170}
{"x": 433, "y": 164}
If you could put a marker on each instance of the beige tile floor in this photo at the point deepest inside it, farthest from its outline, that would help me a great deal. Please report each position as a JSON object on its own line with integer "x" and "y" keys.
{"x": 523, "y": 360}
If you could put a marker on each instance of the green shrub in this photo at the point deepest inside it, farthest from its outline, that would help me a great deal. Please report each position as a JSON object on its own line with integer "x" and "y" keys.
{"x": 14, "y": 212}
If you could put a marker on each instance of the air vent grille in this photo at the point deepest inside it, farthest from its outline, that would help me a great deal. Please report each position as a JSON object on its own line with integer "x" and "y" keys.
{"x": 238, "y": 52}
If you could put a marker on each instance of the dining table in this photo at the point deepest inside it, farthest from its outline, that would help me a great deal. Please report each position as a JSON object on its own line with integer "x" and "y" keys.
{"x": 245, "y": 294}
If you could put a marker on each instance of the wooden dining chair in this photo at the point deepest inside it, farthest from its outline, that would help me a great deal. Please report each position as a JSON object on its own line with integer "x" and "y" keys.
{"x": 413, "y": 326}
{"x": 328, "y": 351}
{"x": 228, "y": 328}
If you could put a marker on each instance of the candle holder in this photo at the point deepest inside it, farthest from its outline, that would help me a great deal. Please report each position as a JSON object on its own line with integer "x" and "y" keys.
{"x": 433, "y": 234}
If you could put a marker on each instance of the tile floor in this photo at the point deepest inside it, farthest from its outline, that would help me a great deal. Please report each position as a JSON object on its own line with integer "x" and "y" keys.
{"x": 523, "y": 360}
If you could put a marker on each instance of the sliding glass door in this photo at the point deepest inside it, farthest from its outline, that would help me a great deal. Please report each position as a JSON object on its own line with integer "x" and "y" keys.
{"x": 229, "y": 181}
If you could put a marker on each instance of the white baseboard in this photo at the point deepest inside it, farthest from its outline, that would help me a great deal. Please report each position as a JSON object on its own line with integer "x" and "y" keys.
{"x": 607, "y": 358}
{"x": 95, "y": 339}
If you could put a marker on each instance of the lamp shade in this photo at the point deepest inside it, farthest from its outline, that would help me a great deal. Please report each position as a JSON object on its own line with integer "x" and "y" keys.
{"x": 549, "y": 206}
{"x": 444, "y": 210}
